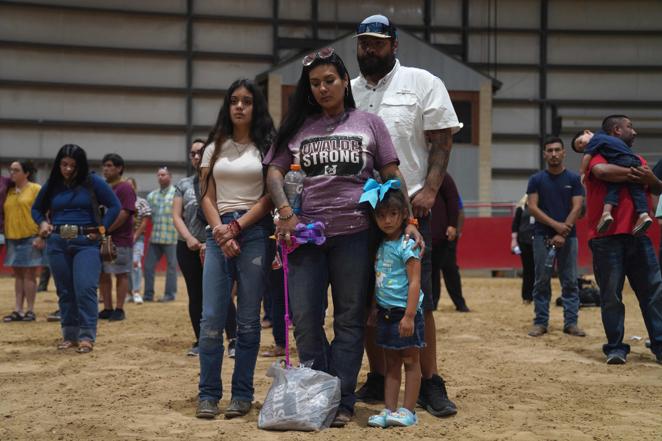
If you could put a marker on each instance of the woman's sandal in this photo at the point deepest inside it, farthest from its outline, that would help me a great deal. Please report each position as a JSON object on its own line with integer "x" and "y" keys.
{"x": 29, "y": 317}
{"x": 66, "y": 344}
{"x": 84, "y": 347}
{"x": 15, "y": 316}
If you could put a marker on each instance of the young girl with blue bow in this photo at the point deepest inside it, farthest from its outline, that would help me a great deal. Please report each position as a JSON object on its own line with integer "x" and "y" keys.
{"x": 397, "y": 304}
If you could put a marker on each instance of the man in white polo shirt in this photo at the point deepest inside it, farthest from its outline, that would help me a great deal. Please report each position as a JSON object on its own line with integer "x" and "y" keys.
{"x": 420, "y": 117}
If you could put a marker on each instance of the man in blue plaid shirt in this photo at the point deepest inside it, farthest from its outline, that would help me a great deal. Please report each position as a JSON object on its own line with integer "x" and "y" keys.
{"x": 163, "y": 240}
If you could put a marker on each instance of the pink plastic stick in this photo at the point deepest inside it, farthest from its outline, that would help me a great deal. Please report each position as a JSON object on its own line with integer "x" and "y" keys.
{"x": 284, "y": 251}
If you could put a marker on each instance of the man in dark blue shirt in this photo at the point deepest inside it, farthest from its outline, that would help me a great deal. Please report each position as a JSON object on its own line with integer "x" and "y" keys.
{"x": 555, "y": 197}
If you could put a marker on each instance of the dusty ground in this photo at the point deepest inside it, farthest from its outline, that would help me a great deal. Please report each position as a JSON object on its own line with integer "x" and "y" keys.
{"x": 139, "y": 384}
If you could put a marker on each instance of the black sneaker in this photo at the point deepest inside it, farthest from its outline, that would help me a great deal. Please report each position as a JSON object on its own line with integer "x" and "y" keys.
{"x": 616, "y": 357}
{"x": 117, "y": 315}
{"x": 237, "y": 408}
{"x": 372, "y": 390}
{"x": 53, "y": 316}
{"x": 105, "y": 314}
{"x": 207, "y": 409}
{"x": 434, "y": 398}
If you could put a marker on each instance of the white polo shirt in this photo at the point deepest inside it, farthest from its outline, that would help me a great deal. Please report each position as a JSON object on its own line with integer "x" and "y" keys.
{"x": 410, "y": 101}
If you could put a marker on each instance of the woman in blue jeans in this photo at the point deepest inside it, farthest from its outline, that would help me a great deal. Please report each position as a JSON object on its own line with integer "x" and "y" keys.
{"x": 339, "y": 148}
{"x": 238, "y": 248}
{"x": 65, "y": 212}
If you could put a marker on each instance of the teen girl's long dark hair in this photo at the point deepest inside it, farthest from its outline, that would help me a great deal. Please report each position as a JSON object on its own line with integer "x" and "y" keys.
{"x": 56, "y": 180}
{"x": 262, "y": 126}
{"x": 303, "y": 104}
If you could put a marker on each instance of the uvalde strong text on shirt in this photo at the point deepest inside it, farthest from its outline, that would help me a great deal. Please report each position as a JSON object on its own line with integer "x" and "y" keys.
{"x": 293, "y": 186}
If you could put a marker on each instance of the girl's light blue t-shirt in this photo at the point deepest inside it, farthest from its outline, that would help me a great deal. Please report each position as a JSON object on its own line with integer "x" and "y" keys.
{"x": 392, "y": 284}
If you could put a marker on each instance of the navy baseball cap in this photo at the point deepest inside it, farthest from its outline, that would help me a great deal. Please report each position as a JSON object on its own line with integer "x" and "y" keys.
{"x": 376, "y": 26}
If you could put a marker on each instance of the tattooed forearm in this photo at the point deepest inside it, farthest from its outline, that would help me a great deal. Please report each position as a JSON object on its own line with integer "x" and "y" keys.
{"x": 440, "y": 143}
{"x": 275, "y": 186}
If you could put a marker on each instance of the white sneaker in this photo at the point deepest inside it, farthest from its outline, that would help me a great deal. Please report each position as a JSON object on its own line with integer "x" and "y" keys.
{"x": 137, "y": 299}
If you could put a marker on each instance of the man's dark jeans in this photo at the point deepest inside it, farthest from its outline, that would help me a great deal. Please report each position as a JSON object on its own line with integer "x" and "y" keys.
{"x": 614, "y": 258}
{"x": 566, "y": 258}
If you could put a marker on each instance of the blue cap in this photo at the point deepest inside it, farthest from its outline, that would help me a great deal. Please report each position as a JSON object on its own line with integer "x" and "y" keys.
{"x": 376, "y": 26}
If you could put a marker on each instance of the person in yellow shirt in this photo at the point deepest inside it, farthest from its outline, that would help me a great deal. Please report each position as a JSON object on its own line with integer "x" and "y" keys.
{"x": 24, "y": 247}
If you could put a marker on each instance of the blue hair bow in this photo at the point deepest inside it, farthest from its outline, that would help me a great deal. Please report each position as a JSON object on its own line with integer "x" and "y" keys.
{"x": 374, "y": 192}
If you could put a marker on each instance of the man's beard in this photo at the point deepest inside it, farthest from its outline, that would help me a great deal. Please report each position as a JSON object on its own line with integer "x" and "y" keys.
{"x": 374, "y": 66}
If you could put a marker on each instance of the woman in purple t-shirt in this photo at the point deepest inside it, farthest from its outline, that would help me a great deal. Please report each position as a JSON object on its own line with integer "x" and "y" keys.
{"x": 339, "y": 148}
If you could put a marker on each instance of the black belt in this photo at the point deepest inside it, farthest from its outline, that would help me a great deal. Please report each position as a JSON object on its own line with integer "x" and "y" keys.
{"x": 391, "y": 314}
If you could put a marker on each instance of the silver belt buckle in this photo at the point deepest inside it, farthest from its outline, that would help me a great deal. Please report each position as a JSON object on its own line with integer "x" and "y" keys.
{"x": 68, "y": 232}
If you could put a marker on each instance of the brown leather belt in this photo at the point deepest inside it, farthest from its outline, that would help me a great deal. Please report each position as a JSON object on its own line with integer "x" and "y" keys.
{"x": 71, "y": 231}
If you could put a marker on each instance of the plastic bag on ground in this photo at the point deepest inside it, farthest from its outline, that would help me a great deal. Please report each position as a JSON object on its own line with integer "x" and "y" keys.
{"x": 300, "y": 398}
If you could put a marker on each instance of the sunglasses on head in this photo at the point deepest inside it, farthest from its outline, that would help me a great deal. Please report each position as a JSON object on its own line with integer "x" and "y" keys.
{"x": 321, "y": 54}
{"x": 378, "y": 28}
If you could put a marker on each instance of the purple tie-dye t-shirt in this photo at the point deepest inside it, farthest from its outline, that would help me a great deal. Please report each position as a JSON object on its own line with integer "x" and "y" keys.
{"x": 337, "y": 157}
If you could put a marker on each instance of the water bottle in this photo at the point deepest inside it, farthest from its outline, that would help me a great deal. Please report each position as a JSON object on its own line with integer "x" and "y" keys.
{"x": 293, "y": 186}
{"x": 549, "y": 260}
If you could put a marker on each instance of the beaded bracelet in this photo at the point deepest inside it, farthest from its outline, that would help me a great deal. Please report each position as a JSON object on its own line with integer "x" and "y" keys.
{"x": 288, "y": 217}
{"x": 235, "y": 228}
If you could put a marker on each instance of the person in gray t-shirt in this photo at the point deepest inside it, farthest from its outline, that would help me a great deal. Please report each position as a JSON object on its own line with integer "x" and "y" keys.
{"x": 191, "y": 239}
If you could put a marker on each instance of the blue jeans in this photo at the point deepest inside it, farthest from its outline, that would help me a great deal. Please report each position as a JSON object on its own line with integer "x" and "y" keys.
{"x": 76, "y": 266}
{"x": 614, "y": 258}
{"x": 137, "y": 271}
{"x": 345, "y": 263}
{"x": 154, "y": 254}
{"x": 250, "y": 270}
{"x": 566, "y": 258}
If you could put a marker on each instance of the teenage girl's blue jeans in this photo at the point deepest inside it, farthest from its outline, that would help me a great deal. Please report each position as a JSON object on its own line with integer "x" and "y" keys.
{"x": 76, "y": 266}
{"x": 250, "y": 270}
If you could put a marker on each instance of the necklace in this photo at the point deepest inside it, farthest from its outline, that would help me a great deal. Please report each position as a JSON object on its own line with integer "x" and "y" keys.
{"x": 333, "y": 124}
{"x": 18, "y": 189}
{"x": 239, "y": 147}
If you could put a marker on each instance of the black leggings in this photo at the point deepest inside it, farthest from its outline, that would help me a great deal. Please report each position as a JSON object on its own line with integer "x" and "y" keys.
{"x": 191, "y": 268}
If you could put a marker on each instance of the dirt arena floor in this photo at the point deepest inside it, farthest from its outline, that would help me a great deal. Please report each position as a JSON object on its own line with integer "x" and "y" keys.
{"x": 138, "y": 383}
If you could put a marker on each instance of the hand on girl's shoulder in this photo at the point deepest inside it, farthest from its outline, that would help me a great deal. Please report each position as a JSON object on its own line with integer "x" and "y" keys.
{"x": 408, "y": 249}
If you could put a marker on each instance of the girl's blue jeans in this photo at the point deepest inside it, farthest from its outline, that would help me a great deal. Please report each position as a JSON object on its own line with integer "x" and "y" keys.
{"x": 250, "y": 270}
